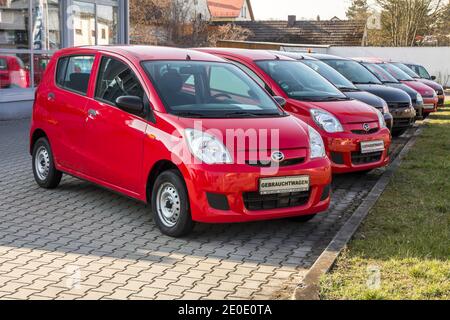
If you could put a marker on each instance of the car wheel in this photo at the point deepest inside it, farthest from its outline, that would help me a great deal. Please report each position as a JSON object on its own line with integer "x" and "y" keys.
{"x": 170, "y": 204}
{"x": 44, "y": 170}
{"x": 303, "y": 219}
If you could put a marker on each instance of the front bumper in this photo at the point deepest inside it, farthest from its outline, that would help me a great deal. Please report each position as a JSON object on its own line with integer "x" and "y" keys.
{"x": 441, "y": 100}
{"x": 344, "y": 150}
{"x": 404, "y": 117}
{"x": 430, "y": 105}
{"x": 389, "y": 119}
{"x": 232, "y": 183}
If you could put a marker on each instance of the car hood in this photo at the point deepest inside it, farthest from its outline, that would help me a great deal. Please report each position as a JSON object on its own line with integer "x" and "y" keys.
{"x": 420, "y": 87}
{"x": 291, "y": 133}
{"x": 390, "y": 95}
{"x": 366, "y": 97}
{"x": 349, "y": 111}
{"x": 410, "y": 91}
{"x": 431, "y": 84}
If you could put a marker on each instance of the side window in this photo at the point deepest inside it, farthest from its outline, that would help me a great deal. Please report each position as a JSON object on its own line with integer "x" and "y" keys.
{"x": 253, "y": 75}
{"x": 116, "y": 79}
{"x": 223, "y": 81}
{"x": 73, "y": 73}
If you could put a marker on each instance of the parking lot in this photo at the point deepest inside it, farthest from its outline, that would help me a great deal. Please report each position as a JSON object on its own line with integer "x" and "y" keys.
{"x": 81, "y": 241}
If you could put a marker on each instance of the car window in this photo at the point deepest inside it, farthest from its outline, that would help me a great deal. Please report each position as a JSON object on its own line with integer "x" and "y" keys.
{"x": 330, "y": 74}
{"x": 380, "y": 73}
{"x": 116, "y": 79}
{"x": 353, "y": 71}
{"x": 209, "y": 89}
{"x": 250, "y": 72}
{"x": 423, "y": 72}
{"x": 299, "y": 82}
{"x": 3, "y": 65}
{"x": 73, "y": 73}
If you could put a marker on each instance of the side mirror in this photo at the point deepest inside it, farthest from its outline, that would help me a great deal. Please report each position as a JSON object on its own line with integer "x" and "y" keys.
{"x": 130, "y": 104}
{"x": 280, "y": 100}
{"x": 433, "y": 78}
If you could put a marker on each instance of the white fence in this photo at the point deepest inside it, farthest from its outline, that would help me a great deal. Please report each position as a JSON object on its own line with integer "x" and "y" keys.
{"x": 435, "y": 59}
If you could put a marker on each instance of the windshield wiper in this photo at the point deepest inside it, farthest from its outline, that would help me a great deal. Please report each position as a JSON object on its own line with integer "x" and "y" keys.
{"x": 249, "y": 114}
{"x": 189, "y": 114}
{"x": 348, "y": 89}
{"x": 370, "y": 82}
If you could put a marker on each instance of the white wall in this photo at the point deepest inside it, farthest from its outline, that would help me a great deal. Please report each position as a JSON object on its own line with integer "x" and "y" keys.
{"x": 435, "y": 59}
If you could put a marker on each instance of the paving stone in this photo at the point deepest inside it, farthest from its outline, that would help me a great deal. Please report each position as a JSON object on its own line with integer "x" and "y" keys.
{"x": 80, "y": 241}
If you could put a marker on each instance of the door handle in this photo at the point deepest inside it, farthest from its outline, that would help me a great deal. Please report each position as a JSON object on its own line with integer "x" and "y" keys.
{"x": 92, "y": 113}
{"x": 51, "y": 96}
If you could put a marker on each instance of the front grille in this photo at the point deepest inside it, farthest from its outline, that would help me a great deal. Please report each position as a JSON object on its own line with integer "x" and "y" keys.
{"x": 337, "y": 157}
{"x": 268, "y": 164}
{"x": 394, "y": 106}
{"x": 254, "y": 201}
{"x": 371, "y": 131}
{"x": 359, "y": 158}
{"x": 402, "y": 123}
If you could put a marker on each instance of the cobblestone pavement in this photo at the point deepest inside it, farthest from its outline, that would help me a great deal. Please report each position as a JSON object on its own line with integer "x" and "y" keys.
{"x": 83, "y": 242}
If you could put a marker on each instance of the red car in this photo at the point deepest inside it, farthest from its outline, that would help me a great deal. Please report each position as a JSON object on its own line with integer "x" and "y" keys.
{"x": 430, "y": 98}
{"x": 355, "y": 134}
{"x": 183, "y": 130}
{"x": 13, "y": 73}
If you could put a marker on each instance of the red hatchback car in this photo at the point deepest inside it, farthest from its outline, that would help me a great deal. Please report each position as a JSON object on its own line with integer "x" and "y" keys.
{"x": 355, "y": 134}
{"x": 430, "y": 98}
{"x": 150, "y": 123}
{"x": 13, "y": 73}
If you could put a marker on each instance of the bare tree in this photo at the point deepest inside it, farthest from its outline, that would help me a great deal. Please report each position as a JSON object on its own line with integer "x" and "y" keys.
{"x": 228, "y": 31}
{"x": 403, "y": 19}
{"x": 358, "y": 10}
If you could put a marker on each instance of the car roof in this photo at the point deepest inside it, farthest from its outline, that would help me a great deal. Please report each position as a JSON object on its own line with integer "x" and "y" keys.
{"x": 294, "y": 55}
{"x": 322, "y": 56}
{"x": 143, "y": 53}
{"x": 252, "y": 54}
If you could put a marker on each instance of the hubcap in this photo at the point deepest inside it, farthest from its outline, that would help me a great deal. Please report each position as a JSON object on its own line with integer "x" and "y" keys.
{"x": 168, "y": 204}
{"x": 42, "y": 163}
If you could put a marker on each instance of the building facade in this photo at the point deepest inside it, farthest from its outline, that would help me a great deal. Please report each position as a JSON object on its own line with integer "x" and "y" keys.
{"x": 32, "y": 30}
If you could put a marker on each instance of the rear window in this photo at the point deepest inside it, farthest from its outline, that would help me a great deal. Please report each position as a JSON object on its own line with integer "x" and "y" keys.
{"x": 73, "y": 73}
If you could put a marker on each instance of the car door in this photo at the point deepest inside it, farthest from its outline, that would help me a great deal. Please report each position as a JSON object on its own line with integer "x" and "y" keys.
{"x": 114, "y": 138}
{"x": 67, "y": 100}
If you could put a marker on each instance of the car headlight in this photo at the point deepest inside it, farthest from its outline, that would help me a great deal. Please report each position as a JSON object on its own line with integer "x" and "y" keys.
{"x": 316, "y": 144}
{"x": 207, "y": 148}
{"x": 419, "y": 98}
{"x": 385, "y": 107}
{"x": 326, "y": 121}
{"x": 381, "y": 119}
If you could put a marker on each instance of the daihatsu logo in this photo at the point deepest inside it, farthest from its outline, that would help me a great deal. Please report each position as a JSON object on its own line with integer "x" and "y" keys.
{"x": 278, "y": 156}
{"x": 366, "y": 127}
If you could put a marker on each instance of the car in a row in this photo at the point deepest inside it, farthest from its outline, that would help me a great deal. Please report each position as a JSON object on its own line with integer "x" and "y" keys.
{"x": 205, "y": 135}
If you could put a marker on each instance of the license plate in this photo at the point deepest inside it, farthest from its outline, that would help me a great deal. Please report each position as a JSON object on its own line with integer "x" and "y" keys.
{"x": 372, "y": 146}
{"x": 428, "y": 106}
{"x": 284, "y": 185}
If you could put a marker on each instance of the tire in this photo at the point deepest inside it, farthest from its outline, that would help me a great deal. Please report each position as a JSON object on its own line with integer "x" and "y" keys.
{"x": 170, "y": 205}
{"x": 44, "y": 169}
{"x": 303, "y": 219}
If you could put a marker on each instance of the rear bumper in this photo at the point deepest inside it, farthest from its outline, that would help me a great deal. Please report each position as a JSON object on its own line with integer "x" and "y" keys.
{"x": 344, "y": 150}
{"x": 231, "y": 183}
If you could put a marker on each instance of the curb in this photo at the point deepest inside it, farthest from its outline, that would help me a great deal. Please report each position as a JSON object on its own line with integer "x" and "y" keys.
{"x": 309, "y": 288}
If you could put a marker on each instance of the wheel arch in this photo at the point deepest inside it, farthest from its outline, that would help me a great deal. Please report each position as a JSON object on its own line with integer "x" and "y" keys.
{"x": 37, "y": 134}
{"x": 157, "y": 169}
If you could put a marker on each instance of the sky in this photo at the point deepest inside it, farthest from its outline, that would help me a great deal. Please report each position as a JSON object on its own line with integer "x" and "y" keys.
{"x": 309, "y": 9}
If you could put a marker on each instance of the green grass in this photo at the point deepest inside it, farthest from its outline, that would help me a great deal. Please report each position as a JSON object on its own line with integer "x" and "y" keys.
{"x": 407, "y": 234}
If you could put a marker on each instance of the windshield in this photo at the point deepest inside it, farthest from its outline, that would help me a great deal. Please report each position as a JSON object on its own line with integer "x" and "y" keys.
{"x": 209, "y": 90}
{"x": 380, "y": 73}
{"x": 396, "y": 72}
{"x": 330, "y": 74}
{"x": 353, "y": 71}
{"x": 298, "y": 82}
{"x": 406, "y": 70}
